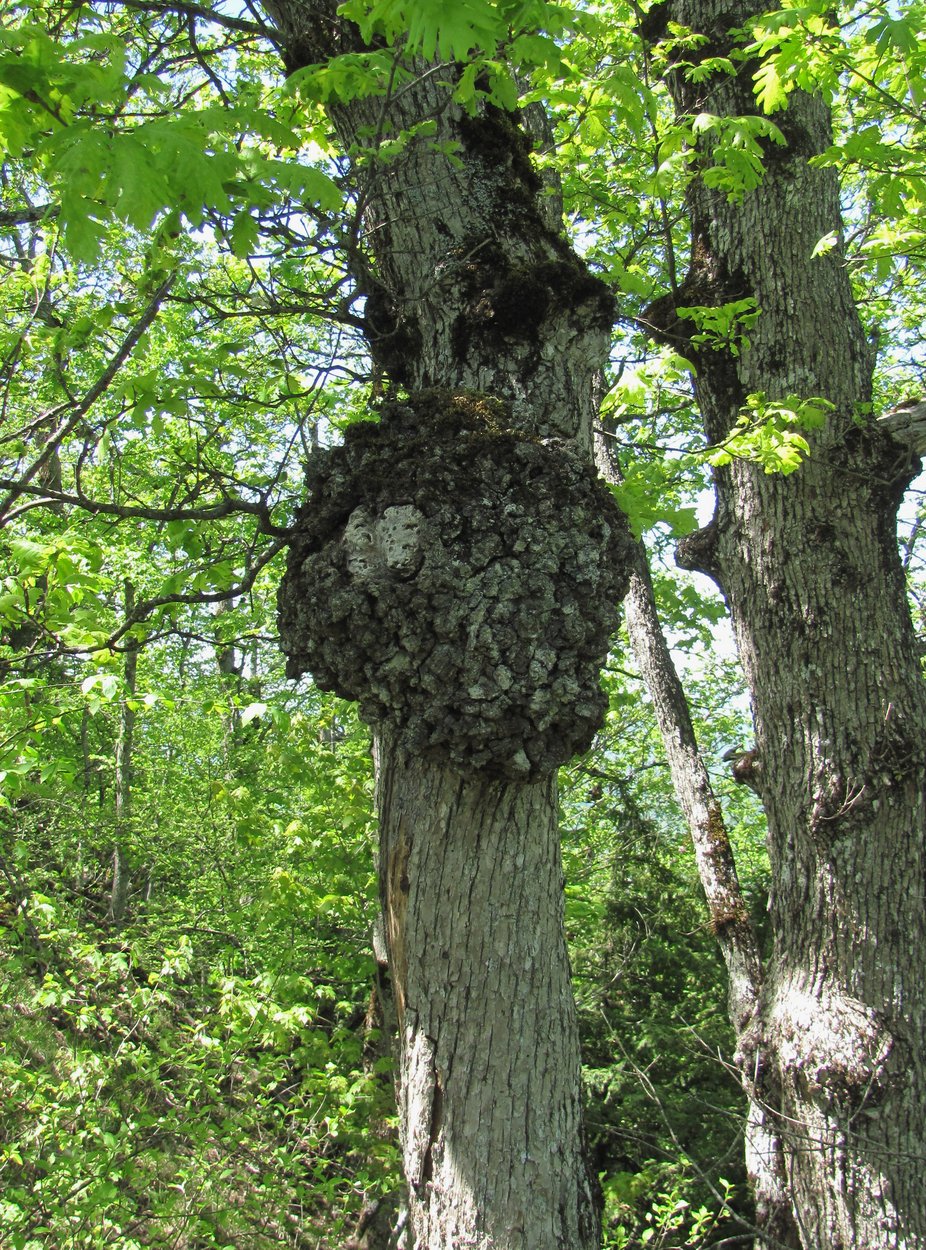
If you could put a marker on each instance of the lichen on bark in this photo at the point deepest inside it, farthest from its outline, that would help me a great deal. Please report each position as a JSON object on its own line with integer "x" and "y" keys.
{"x": 461, "y": 581}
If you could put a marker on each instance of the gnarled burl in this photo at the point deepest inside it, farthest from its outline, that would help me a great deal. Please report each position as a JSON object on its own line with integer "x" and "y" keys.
{"x": 461, "y": 581}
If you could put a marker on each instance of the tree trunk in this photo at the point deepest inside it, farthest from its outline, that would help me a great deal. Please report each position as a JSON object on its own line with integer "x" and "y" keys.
{"x": 810, "y": 567}
{"x": 489, "y": 1084}
{"x": 451, "y": 572}
{"x": 730, "y": 922}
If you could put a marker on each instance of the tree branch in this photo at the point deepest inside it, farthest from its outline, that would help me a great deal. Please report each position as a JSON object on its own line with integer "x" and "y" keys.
{"x": 83, "y": 406}
{"x": 240, "y": 24}
{"x": 22, "y": 216}
{"x": 144, "y": 607}
{"x": 230, "y": 506}
{"x": 907, "y": 425}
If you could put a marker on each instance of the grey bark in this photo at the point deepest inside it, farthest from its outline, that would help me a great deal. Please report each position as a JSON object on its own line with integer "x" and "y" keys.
{"x": 810, "y": 567}
{"x": 729, "y": 915}
{"x": 229, "y": 662}
{"x": 470, "y": 292}
{"x": 489, "y": 1084}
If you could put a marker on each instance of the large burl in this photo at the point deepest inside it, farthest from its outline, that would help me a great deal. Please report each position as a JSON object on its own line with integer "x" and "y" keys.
{"x": 461, "y": 581}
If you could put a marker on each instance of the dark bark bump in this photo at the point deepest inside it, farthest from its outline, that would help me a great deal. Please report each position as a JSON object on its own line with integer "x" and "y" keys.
{"x": 697, "y": 552}
{"x": 461, "y": 580}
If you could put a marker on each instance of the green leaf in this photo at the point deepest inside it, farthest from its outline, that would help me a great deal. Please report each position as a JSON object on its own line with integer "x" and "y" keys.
{"x": 31, "y": 556}
{"x": 826, "y": 244}
{"x": 769, "y": 88}
{"x": 244, "y": 234}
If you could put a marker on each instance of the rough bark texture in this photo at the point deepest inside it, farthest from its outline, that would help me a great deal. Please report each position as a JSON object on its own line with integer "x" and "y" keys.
{"x": 121, "y": 884}
{"x": 472, "y": 895}
{"x": 810, "y": 568}
{"x": 471, "y": 291}
{"x": 461, "y": 582}
{"x": 730, "y": 921}
{"x": 469, "y": 282}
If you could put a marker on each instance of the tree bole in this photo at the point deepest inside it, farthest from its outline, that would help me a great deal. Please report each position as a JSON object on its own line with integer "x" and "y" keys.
{"x": 489, "y": 1087}
{"x": 810, "y": 568}
{"x": 471, "y": 293}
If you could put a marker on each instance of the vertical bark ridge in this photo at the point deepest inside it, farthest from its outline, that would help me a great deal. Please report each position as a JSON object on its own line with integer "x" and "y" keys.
{"x": 122, "y": 761}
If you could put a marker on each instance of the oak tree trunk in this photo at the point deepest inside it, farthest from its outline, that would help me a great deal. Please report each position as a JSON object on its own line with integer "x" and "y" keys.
{"x": 810, "y": 568}
{"x": 489, "y": 1084}
{"x": 477, "y": 307}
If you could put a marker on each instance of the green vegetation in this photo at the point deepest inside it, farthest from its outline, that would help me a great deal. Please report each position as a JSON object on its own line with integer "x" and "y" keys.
{"x": 209, "y": 1071}
{"x": 191, "y": 1050}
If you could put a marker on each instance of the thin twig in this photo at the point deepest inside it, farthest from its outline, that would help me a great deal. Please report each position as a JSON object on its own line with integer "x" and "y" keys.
{"x": 82, "y": 407}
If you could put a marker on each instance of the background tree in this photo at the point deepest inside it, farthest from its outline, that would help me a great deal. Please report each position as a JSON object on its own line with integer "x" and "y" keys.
{"x": 810, "y": 567}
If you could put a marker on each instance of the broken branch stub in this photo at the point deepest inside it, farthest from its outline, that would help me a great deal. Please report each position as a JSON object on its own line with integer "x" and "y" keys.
{"x": 461, "y": 582}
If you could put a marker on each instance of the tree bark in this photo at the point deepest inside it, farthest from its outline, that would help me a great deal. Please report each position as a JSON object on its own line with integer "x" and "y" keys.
{"x": 729, "y": 916}
{"x": 470, "y": 291}
{"x": 121, "y": 883}
{"x": 810, "y": 567}
{"x": 489, "y": 1083}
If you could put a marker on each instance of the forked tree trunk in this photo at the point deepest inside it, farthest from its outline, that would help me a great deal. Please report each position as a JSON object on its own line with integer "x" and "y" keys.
{"x": 810, "y": 567}
{"x": 472, "y": 298}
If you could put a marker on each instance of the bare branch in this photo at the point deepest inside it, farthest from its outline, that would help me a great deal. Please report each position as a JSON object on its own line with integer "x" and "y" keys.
{"x": 83, "y": 406}
{"x": 240, "y": 24}
{"x": 230, "y": 506}
{"x": 22, "y": 216}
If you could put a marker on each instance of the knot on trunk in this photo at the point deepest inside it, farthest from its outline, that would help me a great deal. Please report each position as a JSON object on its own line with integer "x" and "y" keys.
{"x": 834, "y": 1048}
{"x": 460, "y": 581}
{"x": 906, "y": 424}
{"x": 697, "y": 552}
{"x": 504, "y": 302}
